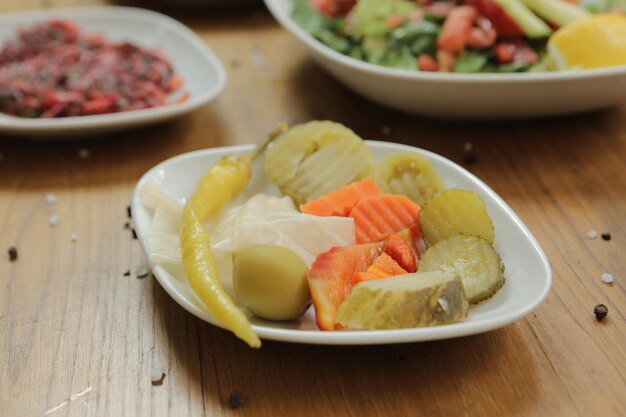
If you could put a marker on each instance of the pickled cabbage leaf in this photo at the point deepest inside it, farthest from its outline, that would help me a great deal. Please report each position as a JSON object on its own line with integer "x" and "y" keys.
{"x": 261, "y": 220}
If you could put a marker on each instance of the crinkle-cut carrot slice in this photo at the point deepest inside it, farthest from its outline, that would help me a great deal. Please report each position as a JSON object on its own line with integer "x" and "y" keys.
{"x": 378, "y": 217}
{"x": 341, "y": 202}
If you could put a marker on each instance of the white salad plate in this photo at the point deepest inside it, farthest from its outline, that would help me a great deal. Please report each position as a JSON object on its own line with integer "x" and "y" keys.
{"x": 528, "y": 274}
{"x": 202, "y": 72}
{"x": 485, "y": 96}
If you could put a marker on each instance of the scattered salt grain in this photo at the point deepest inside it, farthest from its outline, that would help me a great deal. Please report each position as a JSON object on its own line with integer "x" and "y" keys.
{"x": 73, "y": 237}
{"x": 607, "y": 278}
{"x": 257, "y": 58}
{"x": 157, "y": 375}
{"x": 51, "y": 198}
{"x": 84, "y": 153}
{"x": 53, "y": 220}
{"x": 141, "y": 271}
{"x": 592, "y": 234}
{"x": 386, "y": 130}
{"x": 468, "y": 146}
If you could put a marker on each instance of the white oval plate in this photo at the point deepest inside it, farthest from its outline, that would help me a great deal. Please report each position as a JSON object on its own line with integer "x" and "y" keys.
{"x": 528, "y": 274}
{"x": 465, "y": 95}
{"x": 202, "y": 72}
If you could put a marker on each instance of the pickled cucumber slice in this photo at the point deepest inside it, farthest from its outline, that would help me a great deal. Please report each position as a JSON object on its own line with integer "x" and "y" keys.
{"x": 454, "y": 212}
{"x": 408, "y": 174}
{"x": 314, "y": 158}
{"x": 473, "y": 259}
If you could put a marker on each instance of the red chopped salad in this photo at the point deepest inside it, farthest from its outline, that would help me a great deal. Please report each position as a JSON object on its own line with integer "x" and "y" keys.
{"x": 466, "y": 36}
{"x": 53, "y": 69}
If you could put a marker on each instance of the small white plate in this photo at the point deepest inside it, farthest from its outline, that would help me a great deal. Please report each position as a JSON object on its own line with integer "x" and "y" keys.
{"x": 202, "y": 72}
{"x": 487, "y": 96}
{"x": 528, "y": 274}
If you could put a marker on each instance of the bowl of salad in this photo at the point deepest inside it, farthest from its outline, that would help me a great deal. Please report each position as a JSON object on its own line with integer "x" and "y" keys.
{"x": 468, "y": 58}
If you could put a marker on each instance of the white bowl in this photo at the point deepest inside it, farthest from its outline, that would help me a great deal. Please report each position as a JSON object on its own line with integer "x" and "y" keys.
{"x": 202, "y": 72}
{"x": 528, "y": 275}
{"x": 465, "y": 95}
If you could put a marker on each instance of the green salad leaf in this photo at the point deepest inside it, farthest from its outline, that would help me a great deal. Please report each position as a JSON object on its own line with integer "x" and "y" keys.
{"x": 471, "y": 61}
{"x": 308, "y": 18}
{"x": 600, "y": 6}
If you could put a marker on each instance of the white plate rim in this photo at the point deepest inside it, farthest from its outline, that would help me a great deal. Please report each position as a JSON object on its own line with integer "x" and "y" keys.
{"x": 369, "y": 337}
{"x": 135, "y": 117}
{"x": 287, "y": 22}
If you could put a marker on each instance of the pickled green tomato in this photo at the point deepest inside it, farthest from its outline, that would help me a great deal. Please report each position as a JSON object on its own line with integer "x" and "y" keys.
{"x": 270, "y": 281}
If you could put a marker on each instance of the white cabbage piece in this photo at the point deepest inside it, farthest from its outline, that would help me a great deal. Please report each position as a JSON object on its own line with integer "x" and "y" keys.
{"x": 261, "y": 220}
{"x": 266, "y": 220}
{"x": 164, "y": 233}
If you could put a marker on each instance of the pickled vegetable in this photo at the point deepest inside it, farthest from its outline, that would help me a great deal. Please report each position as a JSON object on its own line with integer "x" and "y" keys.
{"x": 473, "y": 259}
{"x": 454, "y": 212}
{"x": 317, "y": 157}
{"x": 271, "y": 282}
{"x": 405, "y": 301}
{"x": 409, "y": 174}
{"x": 218, "y": 186}
{"x": 378, "y": 217}
{"x": 341, "y": 202}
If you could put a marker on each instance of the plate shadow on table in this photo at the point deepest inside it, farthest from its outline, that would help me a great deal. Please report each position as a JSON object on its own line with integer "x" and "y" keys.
{"x": 113, "y": 158}
{"x": 283, "y": 379}
{"x": 238, "y": 15}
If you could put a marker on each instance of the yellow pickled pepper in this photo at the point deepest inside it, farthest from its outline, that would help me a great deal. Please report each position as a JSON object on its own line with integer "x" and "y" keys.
{"x": 217, "y": 187}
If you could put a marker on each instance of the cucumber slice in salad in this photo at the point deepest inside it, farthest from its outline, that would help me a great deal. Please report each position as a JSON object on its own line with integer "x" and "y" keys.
{"x": 557, "y": 11}
{"x": 532, "y": 26}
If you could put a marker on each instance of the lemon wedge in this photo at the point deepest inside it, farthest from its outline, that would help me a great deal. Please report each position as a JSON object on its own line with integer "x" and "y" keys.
{"x": 594, "y": 42}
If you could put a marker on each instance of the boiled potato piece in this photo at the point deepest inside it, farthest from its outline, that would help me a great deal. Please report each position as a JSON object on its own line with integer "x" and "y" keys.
{"x": 454, "y": 212}
{"x": 317, "y": 157}
{"x": 473, "y": 259}
{"x": 409, "y": 174}
{"x": 270, "y": 281}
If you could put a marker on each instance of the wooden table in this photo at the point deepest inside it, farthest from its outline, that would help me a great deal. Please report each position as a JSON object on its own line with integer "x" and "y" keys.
{"x": 73, "y": 326}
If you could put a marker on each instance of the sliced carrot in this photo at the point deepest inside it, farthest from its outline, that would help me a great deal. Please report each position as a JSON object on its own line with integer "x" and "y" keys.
{"x": 340, "y": 202}
{"x": 378, "y": 217}
{"x": 401, "y": 253}
{"x": 363, "y": 276}
{"x": 384, "y": 266}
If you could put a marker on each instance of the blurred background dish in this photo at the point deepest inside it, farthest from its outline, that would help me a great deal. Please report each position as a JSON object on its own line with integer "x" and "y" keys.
{"x": 193, "y": 4}
{"x": 202, "y": 74}
{"x": 514, "y": 95}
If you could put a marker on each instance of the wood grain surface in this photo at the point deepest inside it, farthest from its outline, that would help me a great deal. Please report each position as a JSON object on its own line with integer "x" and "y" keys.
{"x": 77, "y": 334}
